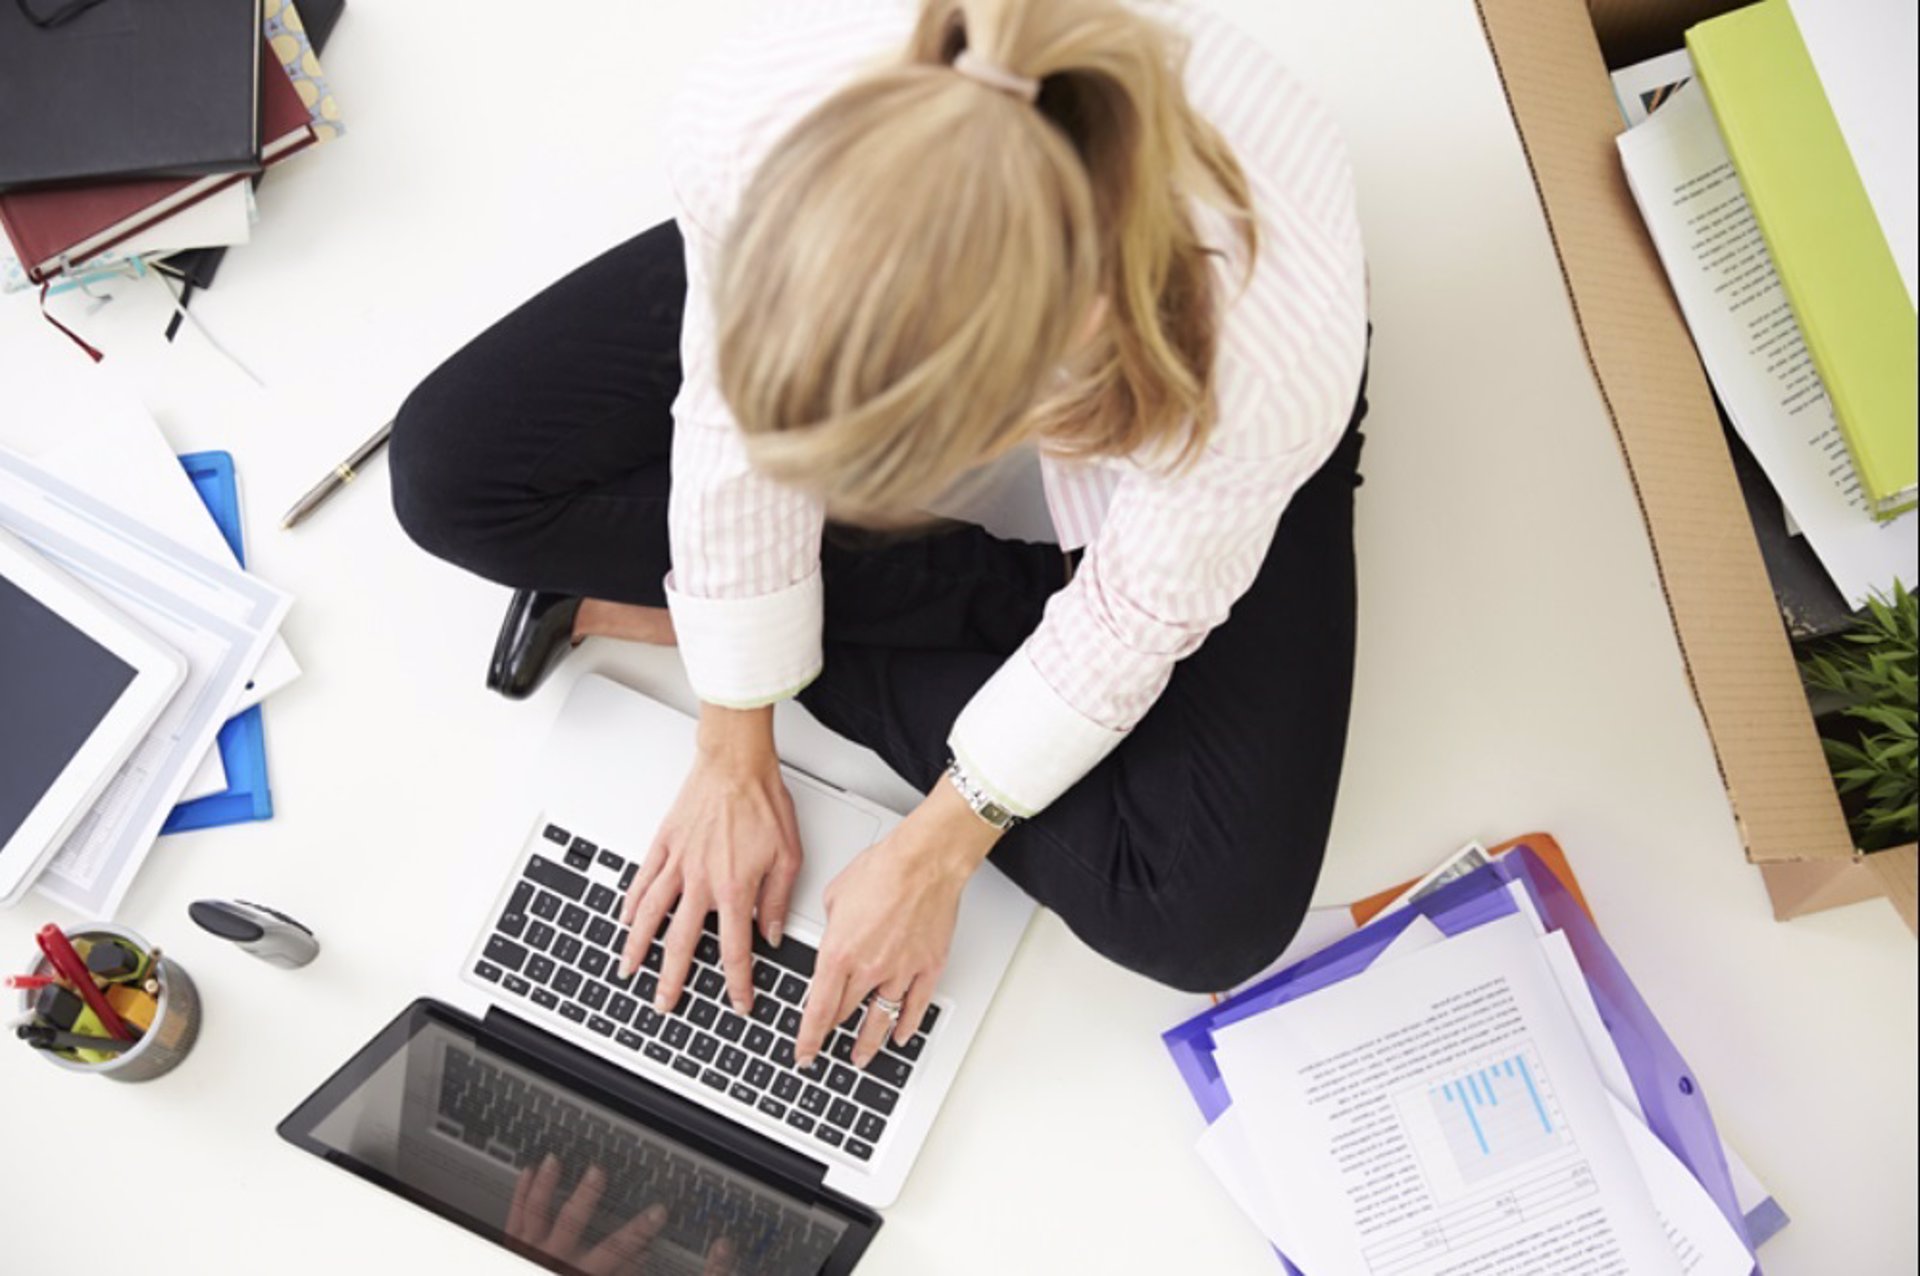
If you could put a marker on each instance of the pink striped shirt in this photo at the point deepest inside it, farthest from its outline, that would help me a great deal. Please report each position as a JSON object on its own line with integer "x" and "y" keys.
{"x": 1168, "y": 554}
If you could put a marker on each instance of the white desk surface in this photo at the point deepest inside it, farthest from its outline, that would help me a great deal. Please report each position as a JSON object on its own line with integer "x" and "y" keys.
{"x": 1517, "y": 672}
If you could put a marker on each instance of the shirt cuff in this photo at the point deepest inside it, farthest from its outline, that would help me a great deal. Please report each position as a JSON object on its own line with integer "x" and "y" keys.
{"x": 744, "y": 653}
{"x": 1022, "y": 743}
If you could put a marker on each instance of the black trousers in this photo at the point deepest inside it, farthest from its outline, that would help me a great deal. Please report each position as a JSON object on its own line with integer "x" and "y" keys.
{"x": 538, "y": 457}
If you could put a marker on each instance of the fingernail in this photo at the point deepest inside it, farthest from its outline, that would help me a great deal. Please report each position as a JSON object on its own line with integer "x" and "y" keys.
{"x": 723, "y": 1248}
{"x": 656, "y": 1214}
{"x": 774, "y": 932}
{"x": 626, "y": 967}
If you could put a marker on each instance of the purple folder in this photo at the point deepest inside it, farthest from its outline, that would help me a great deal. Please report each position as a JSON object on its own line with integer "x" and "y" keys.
{"x": 1675, "y": 1105}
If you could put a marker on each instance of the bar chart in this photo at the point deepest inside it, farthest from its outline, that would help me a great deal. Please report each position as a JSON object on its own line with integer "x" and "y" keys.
{"x": 1499, "y": 1116}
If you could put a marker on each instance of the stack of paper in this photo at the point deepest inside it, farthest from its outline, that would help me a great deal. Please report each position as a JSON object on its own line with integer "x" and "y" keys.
{"x": 1749, "y": 338}
{"x": 87, "y": 480}
{"x": 1453, "y": 1100}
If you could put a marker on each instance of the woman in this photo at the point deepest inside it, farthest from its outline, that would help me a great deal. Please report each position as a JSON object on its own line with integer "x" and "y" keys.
{"x": 907, "y": 242}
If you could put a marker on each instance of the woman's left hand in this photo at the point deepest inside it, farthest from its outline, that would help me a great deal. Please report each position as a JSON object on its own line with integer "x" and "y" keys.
{"x": 890, "y": 918}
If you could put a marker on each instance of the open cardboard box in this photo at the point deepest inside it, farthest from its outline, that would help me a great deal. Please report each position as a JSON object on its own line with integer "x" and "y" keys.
{"x": 1554, "y": 57}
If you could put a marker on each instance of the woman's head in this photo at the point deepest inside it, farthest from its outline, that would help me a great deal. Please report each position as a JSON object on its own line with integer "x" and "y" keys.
{"x": 909, "y": 287}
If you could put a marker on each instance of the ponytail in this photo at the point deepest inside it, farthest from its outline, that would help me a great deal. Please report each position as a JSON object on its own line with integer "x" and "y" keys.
{"x": 873, "y": 354}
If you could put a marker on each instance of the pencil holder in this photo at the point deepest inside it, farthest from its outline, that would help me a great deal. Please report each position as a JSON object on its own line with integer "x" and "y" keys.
{"x": 176, "y": 1016}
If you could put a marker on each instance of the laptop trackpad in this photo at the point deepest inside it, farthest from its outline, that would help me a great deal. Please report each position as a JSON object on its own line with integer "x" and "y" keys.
{"x": 832, "y": 832}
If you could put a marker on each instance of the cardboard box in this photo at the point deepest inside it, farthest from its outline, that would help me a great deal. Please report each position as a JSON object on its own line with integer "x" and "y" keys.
{"x": 1554, "y": 57}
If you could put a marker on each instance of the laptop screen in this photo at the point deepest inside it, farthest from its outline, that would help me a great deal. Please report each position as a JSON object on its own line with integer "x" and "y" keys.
{"x": 498, "y": 1143}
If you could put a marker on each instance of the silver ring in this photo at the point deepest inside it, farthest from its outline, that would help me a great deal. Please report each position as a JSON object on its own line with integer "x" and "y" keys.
{"x": 887, "y": 1004}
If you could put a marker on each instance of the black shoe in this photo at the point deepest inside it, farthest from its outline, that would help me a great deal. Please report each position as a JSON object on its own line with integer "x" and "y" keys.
{"x": 537, "y": 632}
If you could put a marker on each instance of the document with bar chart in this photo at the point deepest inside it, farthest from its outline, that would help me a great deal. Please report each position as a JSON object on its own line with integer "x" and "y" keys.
{"x": 1440, "y": 1114}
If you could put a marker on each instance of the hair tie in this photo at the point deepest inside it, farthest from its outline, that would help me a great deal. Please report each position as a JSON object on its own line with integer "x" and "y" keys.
{"x": 995, "y": 76}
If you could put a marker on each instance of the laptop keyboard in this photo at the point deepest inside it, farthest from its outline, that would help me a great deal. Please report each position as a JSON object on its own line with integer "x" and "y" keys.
{"x": 519, "y": 1121}
{"x": 557, "y": 946}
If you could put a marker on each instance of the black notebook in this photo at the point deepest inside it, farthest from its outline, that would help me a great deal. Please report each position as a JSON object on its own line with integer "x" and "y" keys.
{"x": 127, "y": 88}
{"x": 197, "y": 266}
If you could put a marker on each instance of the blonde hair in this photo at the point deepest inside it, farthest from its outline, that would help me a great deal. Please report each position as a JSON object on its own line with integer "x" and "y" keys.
{"x": 902, "y": 290}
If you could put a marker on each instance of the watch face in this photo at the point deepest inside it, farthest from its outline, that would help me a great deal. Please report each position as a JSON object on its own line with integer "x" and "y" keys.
{"x": 994, "y": 813}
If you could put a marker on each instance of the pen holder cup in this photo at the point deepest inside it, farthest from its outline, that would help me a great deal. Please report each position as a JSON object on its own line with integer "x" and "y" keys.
{"x": 176, "y": 1018}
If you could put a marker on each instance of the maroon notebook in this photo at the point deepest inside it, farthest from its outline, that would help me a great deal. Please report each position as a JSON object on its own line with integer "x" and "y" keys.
{"x": 54, "y": 228}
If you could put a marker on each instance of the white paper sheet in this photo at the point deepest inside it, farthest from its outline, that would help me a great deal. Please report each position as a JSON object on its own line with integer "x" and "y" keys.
{"x": 217, "y": 616}
{"x": 1867, "y": 53}
{"x": 1565, "y": 968}
{"x": 81, "y": 424}
{"x": 1226, "y": 1148}
{"x": 1377, "y": 1105}
{"x": 1419, "y": 936}
{"x": 1702, "y": 1240}
{"x": 1723, "y": 275}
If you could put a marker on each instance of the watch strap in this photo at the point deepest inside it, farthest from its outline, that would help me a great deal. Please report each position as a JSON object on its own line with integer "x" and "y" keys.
{"x": 978, "y": 799}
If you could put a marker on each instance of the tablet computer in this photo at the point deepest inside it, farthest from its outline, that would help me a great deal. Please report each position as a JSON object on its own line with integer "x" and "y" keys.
{"x": 79, "y": 687}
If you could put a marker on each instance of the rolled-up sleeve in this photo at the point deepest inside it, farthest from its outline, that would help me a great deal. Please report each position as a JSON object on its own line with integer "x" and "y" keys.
{"x": 1172, "y": 558}
{"x": 745, "y": 591}
{"x": 1179, "y": 546}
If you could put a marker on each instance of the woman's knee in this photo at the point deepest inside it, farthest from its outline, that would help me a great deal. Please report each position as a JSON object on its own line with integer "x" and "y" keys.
{"x": 1213, "y": 960}
{"x": 436, "y": 490}
{"x": 1208, "y": 936}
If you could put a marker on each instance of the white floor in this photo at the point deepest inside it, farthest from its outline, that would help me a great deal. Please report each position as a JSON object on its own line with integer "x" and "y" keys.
{"x": 1517, "y": 672}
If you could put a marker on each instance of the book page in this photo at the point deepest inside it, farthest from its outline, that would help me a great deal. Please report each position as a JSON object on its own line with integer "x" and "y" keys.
{"x": 1721, "y": 272}
{"x": 1441, "y": 1117}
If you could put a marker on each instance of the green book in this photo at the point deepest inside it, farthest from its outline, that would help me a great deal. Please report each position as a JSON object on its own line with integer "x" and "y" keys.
{"x": 1826, "y": 241}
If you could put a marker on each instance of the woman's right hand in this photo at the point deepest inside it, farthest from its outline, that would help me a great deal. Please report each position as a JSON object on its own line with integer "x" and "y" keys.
{"x": 730, "y": 843}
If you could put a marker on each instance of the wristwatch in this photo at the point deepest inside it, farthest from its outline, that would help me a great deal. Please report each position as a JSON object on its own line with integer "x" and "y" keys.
{"x": 976, "y": 797}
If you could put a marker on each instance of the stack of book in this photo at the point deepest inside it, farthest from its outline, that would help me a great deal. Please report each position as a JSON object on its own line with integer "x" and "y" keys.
{"x": 1763, "y": 175}
{"x": 1467, "y": 1082}
{"x": 132, "y": 135}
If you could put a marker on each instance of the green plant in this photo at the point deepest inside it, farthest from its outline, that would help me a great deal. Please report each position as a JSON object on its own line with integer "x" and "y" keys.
{"x": 1870, "y": 670}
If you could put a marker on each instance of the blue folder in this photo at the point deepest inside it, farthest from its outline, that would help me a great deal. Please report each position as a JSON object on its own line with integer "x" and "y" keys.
{"x": 1676, "y": 1107}
{"x": 242, "y": 741}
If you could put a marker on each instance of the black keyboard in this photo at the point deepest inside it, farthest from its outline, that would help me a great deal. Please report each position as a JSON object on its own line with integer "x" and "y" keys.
{"x": 518, "y": 1120}
{"x": 557, "y": 945}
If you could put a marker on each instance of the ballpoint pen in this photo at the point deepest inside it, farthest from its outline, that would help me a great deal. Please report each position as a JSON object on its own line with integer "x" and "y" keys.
{"x": 60, "y": 953}
{"x": 341, "y": 475}
{"x": 44, "y": 1038}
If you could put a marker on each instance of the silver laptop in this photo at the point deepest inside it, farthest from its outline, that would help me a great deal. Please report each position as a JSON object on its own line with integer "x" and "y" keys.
{"x": 462, "y": 1098}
